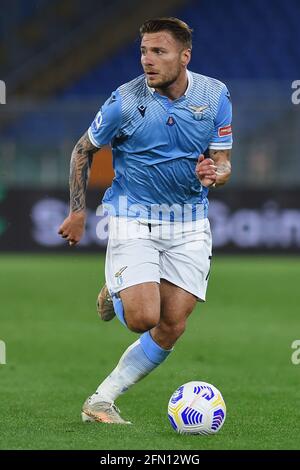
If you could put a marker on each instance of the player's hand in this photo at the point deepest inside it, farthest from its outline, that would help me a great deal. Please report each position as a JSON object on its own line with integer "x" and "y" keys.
{"x": 206, "y": 171}
{"x": 72, "y": 228}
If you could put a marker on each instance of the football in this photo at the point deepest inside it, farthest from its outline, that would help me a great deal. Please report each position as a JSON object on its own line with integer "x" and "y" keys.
{"x": 197, "y": 408}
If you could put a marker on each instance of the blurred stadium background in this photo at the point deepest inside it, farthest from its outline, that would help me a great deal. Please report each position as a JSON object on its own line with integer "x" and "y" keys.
{"x": 59, "y": 60}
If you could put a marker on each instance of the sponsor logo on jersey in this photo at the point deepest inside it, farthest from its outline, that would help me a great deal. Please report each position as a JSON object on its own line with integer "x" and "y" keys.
{"x": 223, "y": 131}
{"x": 142, "y": 110}
{"x": 113, "y": 98}
{"x": 171, "y": 121}
{"x": 97, "y": 121}
{"x": 228, "y": 96}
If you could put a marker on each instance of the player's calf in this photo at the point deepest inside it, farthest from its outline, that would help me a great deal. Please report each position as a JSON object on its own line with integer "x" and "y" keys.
{"x": 166, "y": 334}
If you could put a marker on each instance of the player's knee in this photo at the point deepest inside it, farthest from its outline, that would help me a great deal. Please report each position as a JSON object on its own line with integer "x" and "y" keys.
{"x": 141, "y": 321}
{"x": 141, "y": 325}
{"x": 178, "y": 330}
{"x": 174, "y": 330}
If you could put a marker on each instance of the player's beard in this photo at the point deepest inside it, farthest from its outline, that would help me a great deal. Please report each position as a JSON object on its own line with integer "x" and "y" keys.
{"x": 165, "y": 82}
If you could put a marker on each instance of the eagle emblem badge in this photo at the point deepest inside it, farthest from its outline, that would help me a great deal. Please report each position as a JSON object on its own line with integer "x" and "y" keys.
{"x": 198, "y": 111}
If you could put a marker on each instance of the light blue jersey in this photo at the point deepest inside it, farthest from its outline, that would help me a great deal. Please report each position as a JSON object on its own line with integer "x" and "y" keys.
{"x": 156, "y": 143}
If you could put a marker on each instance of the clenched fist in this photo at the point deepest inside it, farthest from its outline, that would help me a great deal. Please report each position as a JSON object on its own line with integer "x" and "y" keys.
{"x": 206, "y": 171}
{"x": 72, "y": 228}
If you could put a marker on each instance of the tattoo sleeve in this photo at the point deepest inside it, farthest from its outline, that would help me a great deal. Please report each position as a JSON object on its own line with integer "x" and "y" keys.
{"x": 81, "y": 162}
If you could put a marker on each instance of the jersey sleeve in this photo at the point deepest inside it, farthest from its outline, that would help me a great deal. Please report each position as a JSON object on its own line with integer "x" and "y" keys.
{"x": 222, "y": 135}
{"x": 107, "y": 121}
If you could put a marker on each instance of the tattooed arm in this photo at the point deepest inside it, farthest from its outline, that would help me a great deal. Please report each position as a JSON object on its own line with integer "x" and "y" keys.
{"x": 81, "y": 160}
{"x": 221, "y": 159}
{"x": 216, "y": 170}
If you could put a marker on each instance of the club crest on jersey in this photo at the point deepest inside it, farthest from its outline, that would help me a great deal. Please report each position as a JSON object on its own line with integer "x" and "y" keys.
{"x": 119, "y": 277}
{"x": 142, "y": 110}
{"x": 171, "y": 121}
{"x": 198, "y": 111}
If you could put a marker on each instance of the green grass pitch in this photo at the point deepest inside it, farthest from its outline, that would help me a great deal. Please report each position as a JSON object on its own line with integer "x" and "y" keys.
{"x": 58, "y": 351}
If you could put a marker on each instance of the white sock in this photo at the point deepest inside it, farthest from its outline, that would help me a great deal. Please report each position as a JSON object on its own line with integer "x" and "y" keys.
{"x": 132, "y": 367}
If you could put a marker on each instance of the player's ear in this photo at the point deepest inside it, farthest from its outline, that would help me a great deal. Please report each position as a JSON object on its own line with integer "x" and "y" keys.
{"x": 185, "y": 57}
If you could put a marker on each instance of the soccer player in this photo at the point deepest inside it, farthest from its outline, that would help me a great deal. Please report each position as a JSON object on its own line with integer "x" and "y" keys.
{"x": 159, "y": 250}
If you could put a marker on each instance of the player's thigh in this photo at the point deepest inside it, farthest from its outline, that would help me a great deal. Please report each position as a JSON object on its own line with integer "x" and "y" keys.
{"x": 176, "y": 304}
{"x": 141, "y": 304}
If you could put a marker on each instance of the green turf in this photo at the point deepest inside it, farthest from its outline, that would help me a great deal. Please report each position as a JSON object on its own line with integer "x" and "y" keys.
{"x": 58, "y": 351}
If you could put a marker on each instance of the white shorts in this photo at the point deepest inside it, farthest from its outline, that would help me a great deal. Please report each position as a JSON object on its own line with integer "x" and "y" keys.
{"x": 139, "y": 252}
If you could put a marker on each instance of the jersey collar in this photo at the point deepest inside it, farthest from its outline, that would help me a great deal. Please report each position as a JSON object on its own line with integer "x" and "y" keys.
{"x": 190, "y": 84}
